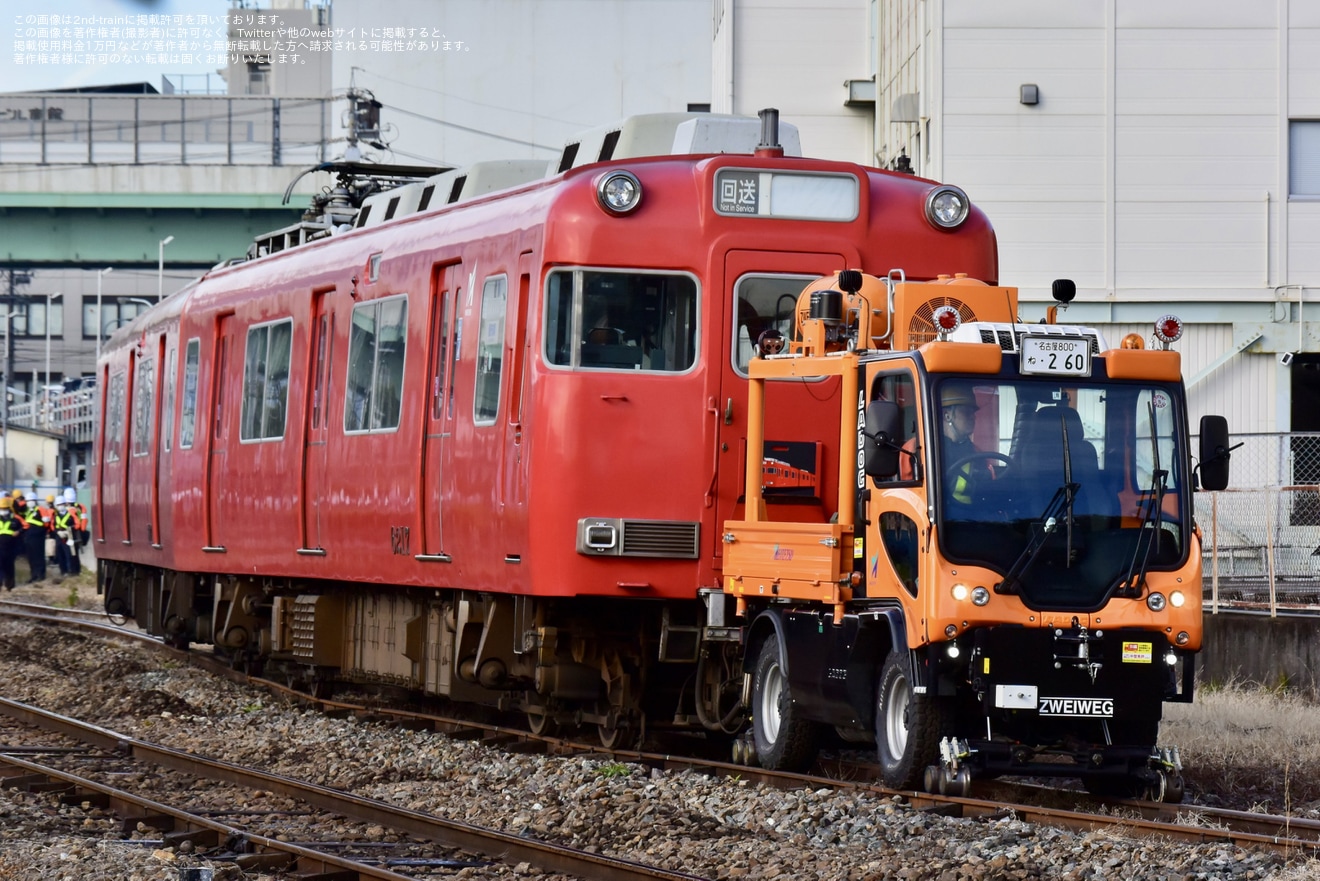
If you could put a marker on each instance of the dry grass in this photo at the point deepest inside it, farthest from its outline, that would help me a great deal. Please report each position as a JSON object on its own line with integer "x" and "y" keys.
{"x": 1249, "y": 747}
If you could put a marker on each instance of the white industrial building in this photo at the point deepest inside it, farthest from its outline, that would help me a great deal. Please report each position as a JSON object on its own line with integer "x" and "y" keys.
{"x": 1164, "y": 155}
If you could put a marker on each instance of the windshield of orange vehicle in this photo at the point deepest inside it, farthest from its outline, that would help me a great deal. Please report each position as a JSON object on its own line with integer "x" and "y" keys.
{"x": 1069, "y": 491}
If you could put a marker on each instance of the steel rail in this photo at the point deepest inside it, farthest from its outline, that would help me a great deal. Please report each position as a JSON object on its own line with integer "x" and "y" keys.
{"x": 464, "y": 836}
{"x": 271, "y": 853}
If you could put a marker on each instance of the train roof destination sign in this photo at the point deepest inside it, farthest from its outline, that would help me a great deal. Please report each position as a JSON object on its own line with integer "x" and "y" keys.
{"x": 749, "y": 192}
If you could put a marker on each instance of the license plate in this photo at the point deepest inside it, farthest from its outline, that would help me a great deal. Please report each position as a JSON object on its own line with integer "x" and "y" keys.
{"x": 1057, "y": 356}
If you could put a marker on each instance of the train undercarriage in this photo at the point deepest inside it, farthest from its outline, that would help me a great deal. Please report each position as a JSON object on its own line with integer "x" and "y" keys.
{"x": 551, "y": 659}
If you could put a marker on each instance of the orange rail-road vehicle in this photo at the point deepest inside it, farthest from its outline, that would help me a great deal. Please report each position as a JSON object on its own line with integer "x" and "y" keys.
{"x": 1013, "y": 582}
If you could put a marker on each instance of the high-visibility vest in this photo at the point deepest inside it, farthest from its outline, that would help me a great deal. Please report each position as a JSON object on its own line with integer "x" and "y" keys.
{"x": 33, "y": 518}
{"x": 67, "y": 520}
{"x": 9, "y": 526}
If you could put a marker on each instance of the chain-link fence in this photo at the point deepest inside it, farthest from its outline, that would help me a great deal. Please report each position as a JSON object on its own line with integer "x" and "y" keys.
{"x": 1262, "y": 534}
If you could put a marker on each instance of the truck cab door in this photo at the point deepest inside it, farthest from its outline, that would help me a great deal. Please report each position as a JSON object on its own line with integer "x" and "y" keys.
{"x": 898, "y": 556}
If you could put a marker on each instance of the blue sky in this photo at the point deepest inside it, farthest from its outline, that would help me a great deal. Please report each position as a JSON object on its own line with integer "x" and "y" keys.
{"x": 82, "y": 59}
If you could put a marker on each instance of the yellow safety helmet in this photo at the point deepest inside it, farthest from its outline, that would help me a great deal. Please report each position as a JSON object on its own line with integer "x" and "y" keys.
{"x": 6, "y": 503}
{"x": 18, "y": 494}
{"x": 50, "y": 500}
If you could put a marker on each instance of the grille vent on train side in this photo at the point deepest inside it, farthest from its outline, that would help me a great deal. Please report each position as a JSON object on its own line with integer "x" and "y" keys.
{"x": 921, "y": 326}
{"x": 660, "y": 538}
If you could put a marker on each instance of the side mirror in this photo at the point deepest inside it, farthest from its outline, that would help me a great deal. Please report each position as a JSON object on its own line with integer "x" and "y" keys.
{"x": 880, "y": 447}
{"x": 1215, "y": 453}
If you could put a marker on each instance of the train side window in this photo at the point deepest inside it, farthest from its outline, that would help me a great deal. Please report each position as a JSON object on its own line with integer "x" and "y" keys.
{"x": 188, "y": 410}
{"x": 266, "y": 381}
{"x": 490, "y": 350}
{"x": 615, "y": 320}
{"x": 900, "y": 387}
{"x": 144, "y": 390}
{"x": 167, "y": 399}
{"x": 114, "y": 417}
{"x": 763, "y": 302}
{"x": 376, "y": 347}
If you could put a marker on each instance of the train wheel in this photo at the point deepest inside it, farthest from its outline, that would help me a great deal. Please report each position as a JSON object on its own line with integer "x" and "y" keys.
{"x": 908, "y": 726}
{"x": 1175, "y": 789}
{"x": 784, "y": 740}
{"x": 612, "y": 735}
{"x": 540, "y": 722}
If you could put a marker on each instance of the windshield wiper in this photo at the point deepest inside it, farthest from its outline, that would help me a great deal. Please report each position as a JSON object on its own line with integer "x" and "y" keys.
{"x": 1065, "y": 496}
{"x": 1135, "y": 578}
{"x": 1069, "y": 490}
{"x": 1049, "y": 521}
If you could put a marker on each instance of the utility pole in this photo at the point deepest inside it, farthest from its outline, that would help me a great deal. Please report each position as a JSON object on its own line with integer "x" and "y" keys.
{"x": 362, "y": 120}
{"x": 16, "y": 278}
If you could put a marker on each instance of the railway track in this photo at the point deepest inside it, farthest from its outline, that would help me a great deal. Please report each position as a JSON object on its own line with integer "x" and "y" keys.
{"x": 1188, "y": 823}
{"x": 268, "y": 852}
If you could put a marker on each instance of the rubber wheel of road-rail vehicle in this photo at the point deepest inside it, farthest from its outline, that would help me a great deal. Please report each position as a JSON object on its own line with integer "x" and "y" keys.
{"x": 908, "y": 726}
{"x": 784, "y": 740}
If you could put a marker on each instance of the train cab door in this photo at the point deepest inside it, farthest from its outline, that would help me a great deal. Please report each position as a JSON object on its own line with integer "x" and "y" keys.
{"x": 316, "y": 432}
{"x": 439, "y": 405}
{"x": 131, "y": 407}
{"x": 218, "y": 436}
{"x": 761, "y": 290}
{"x": 144, "y": 509}
{"x": 169, "y": 355}
{"x": 513, "y": 493}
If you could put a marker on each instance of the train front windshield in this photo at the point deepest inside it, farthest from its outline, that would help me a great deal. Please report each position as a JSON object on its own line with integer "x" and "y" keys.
{"x": 1070, "y": 492}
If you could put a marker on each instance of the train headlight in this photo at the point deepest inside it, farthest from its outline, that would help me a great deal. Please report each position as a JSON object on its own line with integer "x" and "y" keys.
{"x": 953, "y": 651}
{"x": 619, "y": 192}
{"x": 980, "y": 596}
{"x": 1176, "y": 599}
{"x": 1156, "y": 602}
{"x": 1171, "y": 659}
{"x": 600, "y": 536}
{"x": 947, "y": 207}
{"x": 960, "y": 592}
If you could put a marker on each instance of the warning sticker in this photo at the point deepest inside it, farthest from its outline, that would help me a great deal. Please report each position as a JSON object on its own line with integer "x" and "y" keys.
{"x": 1137, "y": 652}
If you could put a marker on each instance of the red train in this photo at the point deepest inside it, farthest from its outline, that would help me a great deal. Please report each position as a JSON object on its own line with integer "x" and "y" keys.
{"x": 480, "y": 441}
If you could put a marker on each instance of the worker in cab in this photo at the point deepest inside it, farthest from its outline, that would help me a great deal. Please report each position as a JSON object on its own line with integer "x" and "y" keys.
{"x": 964, "y": 464}
{"x": 67, "y": 525}
{"x": 35, "y": 528}
{"x": 11, "y": 541}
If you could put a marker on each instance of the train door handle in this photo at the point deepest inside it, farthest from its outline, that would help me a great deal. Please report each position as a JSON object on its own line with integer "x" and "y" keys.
{"x": 728, "y": 412}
